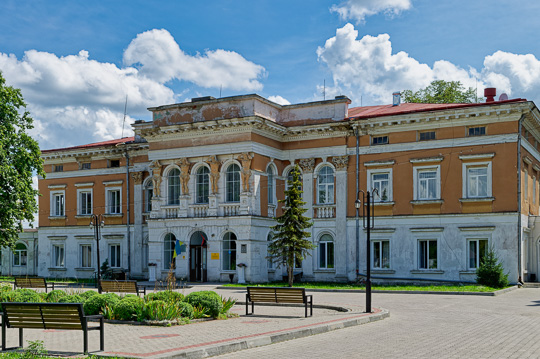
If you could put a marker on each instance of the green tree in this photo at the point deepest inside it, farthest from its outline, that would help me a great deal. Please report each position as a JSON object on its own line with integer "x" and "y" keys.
{"x": 290, "y": 235}
{"x": 19, "y": 159}
{"x": 490, "y": 272}
{"x": 441, "y": 91}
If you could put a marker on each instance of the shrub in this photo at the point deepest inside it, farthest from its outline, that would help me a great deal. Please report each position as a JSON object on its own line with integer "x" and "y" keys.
{"x": 127, "y": 308}
{"x": 72, "y": 298}
{"x": 161, "y": 310}
{"x": 26, "y": 295}
{"x": 54, "y": 295}
{"x": 187, "y": 309}
{"x": 5, "y": 287}
{"x": 206, "y": 299}
{"x": 165, "y": 295}
{"x": 96, "y": 303}
{"x": 490, "y": 272}
{"x": 87, "y": 294}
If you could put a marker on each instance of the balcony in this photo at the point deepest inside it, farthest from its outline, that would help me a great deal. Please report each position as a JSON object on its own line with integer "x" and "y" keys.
{"x": 230, "y": 209}
{"x": 324, "y": 211}
{"x": 198, "y": 210}
{"x": 170, "y": 211}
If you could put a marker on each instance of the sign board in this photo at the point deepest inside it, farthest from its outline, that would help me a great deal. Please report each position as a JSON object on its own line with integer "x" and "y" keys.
{"x": 214, "y": 255}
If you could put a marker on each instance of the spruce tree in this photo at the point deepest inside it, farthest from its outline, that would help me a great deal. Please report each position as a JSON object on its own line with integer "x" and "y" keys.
{"x": 490, "y": 272}
{"x": 290, "y": 235}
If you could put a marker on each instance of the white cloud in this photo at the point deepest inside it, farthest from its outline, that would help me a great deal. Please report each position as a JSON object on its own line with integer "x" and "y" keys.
{"x": 279, "y": 100}
{"x": 358, "y": 10}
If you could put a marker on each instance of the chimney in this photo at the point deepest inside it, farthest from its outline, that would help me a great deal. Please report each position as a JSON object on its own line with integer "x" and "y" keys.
{"x": 396, "y": 98}
{"x": 490, "y": 93}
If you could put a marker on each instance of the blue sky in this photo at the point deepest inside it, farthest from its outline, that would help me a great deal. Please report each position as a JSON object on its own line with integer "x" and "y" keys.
{"x": 76, "y": 61}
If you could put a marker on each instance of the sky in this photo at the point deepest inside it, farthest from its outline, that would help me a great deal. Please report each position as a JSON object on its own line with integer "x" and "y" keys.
{"x": 77, "y": 61}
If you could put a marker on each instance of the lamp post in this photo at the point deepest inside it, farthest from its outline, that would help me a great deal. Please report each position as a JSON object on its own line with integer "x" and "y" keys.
{"x": 368, "y": 222}
{"x": 97, "y": 222}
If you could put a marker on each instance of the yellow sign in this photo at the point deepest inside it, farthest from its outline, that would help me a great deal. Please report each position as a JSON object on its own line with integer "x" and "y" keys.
{"x": 214, "y": 255}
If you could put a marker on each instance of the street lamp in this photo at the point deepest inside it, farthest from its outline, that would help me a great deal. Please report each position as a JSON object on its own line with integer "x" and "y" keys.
{"x": 368, "y": 222}
{"x": 97, "y": 222}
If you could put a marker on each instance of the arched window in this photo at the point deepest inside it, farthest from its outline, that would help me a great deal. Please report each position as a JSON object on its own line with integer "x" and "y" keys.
{"x": 326, "y": 252}
{"x": 232, "y": 183}
{"x": 270, "y": 239}
{"x": 325, "y": 186}
{"x": 229, "y": 251}
{"x": 20, "y": 255}
{"x": 168, "y": 250}
{"x": 148, "y": 193}
{"x": 203, "y": 184}
{"x": 271, "y": 197}
{"x": 173, "y": 183}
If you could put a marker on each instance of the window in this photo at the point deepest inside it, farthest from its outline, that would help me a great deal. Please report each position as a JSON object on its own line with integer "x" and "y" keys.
{"x": 427, "y": 254}
{"x": 232, "y": 183}
{"x": 229, "y": 251}
{"x": 57, "y": 204}
{"x": 114, "y": 256}
{"x": 114, "y": 163}
{"x": 477, "y": 251}
{"x": 426, "y": 136}
{"x": 526, "y": 185}
{"x": 173, "y": 185}
{"x": 381, "y": 254}
{"x": 326, "y": 252}
{"x": 114, "y": 201}
{"x": 85, "y": 203}
{"x": 58, "y": 168}
{"x": 270, "y": 174}
{"x": 168, "y": 251}
{"x": 58, "y": 256}
{"x": 379, "y": 140}
{"x": 86, "y": 166}
{"x": 20, "y": 255}
{"x": 325, "y": 186}
{"x": 427, "y": 186}
{"x": 477, "y": 182}
{"x": 86, "y": 255}
{"x": 477, "y": 131}
{"x": 381, "y": 182}
{"x": 203, "y": 184}
{"x": 269, "y": 240}
{"x": 148, "y": 194}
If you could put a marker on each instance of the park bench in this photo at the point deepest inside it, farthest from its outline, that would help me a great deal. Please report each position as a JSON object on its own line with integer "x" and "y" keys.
{"x": 278, "y": 295}
{"x": 122, "y": 286}
{"x": 33, "y": 282}
{"x": 64, "y": 316}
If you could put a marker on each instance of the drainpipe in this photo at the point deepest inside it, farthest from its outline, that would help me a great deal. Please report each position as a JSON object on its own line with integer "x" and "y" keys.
{"x": 357, "y": 189}
{"x": 520, "y": 270}
{"x": 128, "y": 212}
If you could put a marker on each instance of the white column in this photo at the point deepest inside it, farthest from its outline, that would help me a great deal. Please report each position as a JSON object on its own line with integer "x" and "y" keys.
{"x": 342, "y": 247}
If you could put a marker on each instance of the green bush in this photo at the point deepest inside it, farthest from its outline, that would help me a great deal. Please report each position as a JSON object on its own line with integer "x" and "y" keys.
{"x": 161, "y": 310}
{"x": 72, "y": 298}
{"x": 87, "y": 294}
{"x": 26, "y": 295}
{"x": 6, "y": 287}
{"x": 54, "y": 295}
{"x": 96, "y": 303}
{"x": 187, "y": 309}
{"x": 128, "y": 308}
{"x": 206, "y": 299}
{"x": 165, "y": 295}
{"x": 490, "y": 272}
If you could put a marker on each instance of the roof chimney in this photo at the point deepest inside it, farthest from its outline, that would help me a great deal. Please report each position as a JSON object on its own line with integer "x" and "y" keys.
{"x": 490, "y": 93}
{"x": 396, "y": 98}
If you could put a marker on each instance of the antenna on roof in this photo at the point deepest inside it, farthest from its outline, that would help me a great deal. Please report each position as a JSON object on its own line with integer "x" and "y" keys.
{"x": 124, "y": 121}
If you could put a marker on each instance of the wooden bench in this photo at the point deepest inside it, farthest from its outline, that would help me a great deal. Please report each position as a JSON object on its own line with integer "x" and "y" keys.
{"x": 32, "y": 282}
{"x": 64, "y": 316}
{"x": 278, "y": 295}
{"x": 122, "y": 286}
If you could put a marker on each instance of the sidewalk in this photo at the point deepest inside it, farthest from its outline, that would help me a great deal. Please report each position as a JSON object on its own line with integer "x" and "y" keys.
{"x": 269, "y": 324}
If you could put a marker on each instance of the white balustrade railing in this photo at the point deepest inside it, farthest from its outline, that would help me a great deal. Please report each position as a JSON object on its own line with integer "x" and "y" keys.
{"x": 325, "y": 211}
{"x": 230, "y": 209}
{"x": 199, "y": 210}
{"x": 171, "y": 212}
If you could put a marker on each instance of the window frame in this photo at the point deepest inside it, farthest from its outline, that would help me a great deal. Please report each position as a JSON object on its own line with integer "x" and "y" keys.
{"x": 376, "y": 171}
{"x": 202, "y": 184}
{"x": 474, "y": 128}
{"x": 108, "y": 199}
{"x": 380, "y": 243}
{"x": 420, "y": 253}
{"x": 476, "y": 240}
{"x": 465, "y": 178}
{"x": 53, "y": 195}
{"x": 229, "y": 265}
{"x": 18, "y": 253}
{"x": 81, "y": 203}
{"x": 269, "y": 261}
{"x": 420, "y": 133}
{"x": 329, "y": 188}
{"x": 82, "y": 255}
{"x": 417, "y": 170}
{"x": 233, "y": 183}
{"x": 58, "y": 248}
{"x": 271, "y": 186}
{"x": 324, "y": 248}
{"x": 169, "y": 241}
{"x": 384, "y": 140}
{"x": 148, "y": 187}
{"x": 173, "y": 187}
{"x": 118, "y": 249}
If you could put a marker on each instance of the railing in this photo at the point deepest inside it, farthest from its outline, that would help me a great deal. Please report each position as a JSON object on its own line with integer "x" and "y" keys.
{"x": 199, "y": 210}
{"x": 325, "y": 211}
{"x": 230, "y": 209}
{"x": 171, "y": 212}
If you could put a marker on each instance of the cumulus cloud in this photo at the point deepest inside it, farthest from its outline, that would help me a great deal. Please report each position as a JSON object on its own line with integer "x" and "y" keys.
{"x": 358, "y": 10}
{"x": 279, "y": 100}
{"x": 75, "y": 99}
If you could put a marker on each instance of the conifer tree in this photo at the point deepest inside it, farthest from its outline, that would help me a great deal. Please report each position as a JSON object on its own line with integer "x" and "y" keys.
{"x": 490, "y": 272}
{"x": 290, "y": 235}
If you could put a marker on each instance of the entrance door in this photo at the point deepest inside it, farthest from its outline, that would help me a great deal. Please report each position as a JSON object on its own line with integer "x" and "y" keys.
{"x": 197, "y": 257}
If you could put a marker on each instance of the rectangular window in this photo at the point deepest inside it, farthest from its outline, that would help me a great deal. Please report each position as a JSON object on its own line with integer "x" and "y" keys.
{"x": 379, "y": 140}
{"x": 58, "y": 256}
{"x": 381, "y": 254}
{"x": 58, "y": 168}
{"x": 114, "y": 202}
{"x": 86, "y": 256}
{"x": 58, "y": 205}
{"x": 114, "y": 256}
{"x": 526, "y": 185}
{"x": 477, "y": 131}
{"x": 427, "y": 184}
{"x": 326, "y": 255}
{"x": 477, "y": 252}
{"x": 85, "y": 203}
{"x": 427, "y": 254}
{"x": 114, "y": 163}
{"x": 426, "y": 135}
{"x": 477, "y": 182}
{"x": 381, "y": 182}
{"x": 86, "y": 166}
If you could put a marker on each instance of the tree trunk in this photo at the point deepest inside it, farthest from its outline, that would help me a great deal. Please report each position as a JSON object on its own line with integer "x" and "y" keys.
{"x": 291, "y": 277}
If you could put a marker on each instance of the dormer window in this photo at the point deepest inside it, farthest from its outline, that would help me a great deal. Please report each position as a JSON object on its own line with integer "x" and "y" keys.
{"x": 477, "y": 131}
{"x": 379, "y": 140}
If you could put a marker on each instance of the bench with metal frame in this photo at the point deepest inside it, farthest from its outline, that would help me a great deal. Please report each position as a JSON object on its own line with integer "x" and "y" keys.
{"x": 32, "y": 282}
{"x": 278, "y": 295}
{"x": 122, "y": 286}
{"x": 63, "y": 316}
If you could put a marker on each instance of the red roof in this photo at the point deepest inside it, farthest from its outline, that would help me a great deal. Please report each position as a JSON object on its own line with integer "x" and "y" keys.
{"x": 96, "y": 144}
{"x": 404, "y": 108}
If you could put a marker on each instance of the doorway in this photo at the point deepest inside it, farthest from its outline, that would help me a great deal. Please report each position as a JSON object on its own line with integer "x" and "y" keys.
{"x": 197, "y": 257}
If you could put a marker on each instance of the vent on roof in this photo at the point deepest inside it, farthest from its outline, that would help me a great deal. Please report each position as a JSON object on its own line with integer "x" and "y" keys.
{"x": 490, "y": 93}
{"x": 205, "y": 98}
{"x": 396, "y": 98}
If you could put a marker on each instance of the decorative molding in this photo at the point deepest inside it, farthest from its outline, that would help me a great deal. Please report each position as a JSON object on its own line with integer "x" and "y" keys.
{"x": 112, "y": 183}
{"x": 527, "y": 160}
{"x": 137, "y": 177}
{"x": 340, "y": 162}
{"x": 476, "y": 228}
{"x": 379, "y": 163}
{"x": 57, "y": 186}
{"x": 245, "y": 158}
{"x": 86, "y": 184}
{"x": 185, "y": 166}
{"x": 426, "y": 159}
{"x": 307, "y": 164}
{"x": 427, "y": 229}
{"x": 214, "y": 164}
{"x": 480, "y": 199}
{"x": 479, "y": 156}
{"x": 57, "y": 238}
{"x": 155, "y": 170}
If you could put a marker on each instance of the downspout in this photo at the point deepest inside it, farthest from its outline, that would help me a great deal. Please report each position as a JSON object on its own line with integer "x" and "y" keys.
{"x": 520, "y": 123}
{"x": 356, "y": 196}
{"x": 128, "y": 212}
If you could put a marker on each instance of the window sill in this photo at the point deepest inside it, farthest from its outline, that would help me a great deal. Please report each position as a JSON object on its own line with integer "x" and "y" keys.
{"x": 85, "y": 269}
{"x": 85, "y": 216}
{"x": 228, "y": 271}
{"x": 57, "y": 217}
{"x": 324, "y": 270}
{"x": 427, "y": 271}
{"x": 427, "y": 201}
{"x": 479, "y": 199}
{"x": 383, "y": 203}
{"x": 383, "y": 271}
{"x": 57, "y": 269}
{"x": 113, "y": 215}
{"x": 468, "y": 271}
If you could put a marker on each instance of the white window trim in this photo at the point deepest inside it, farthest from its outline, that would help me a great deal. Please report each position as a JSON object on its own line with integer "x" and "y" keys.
{"x": 79, "y": 203}
{"x": 16, "y": 252}
{"x": 316, "y": 178}
{"x": 474, "y": 239}
{"x": 333, "y": 241}
{"x": 372, "y": 247}
{"x": 272, "y": 200}
{"x": 52, "y": 209}
{"x": 81, "y": 255}
{"x": 417, "y": 169}
{"x": 107, "y": 204}
{"x": 371, "y": 172}
{"x": 53, "y": 257}
{"x": 464, "y": 177}
{"x": 118, "y": 254}
{"x": 433, "y": 238}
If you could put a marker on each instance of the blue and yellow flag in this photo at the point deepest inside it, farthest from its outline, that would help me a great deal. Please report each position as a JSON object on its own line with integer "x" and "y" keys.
{"x": 177, "y": 248}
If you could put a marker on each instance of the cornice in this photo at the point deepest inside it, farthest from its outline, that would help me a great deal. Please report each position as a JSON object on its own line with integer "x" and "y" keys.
{"x": 93, "y": 152}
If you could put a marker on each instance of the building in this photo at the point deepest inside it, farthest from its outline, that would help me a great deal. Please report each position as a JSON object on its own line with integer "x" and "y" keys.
{"x": 210, "y": 173}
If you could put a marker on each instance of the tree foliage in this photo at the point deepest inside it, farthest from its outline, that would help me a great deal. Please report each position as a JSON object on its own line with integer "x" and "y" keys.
{"x": 289, "y": 235}
{"x": 441, "y": 91}
{"x": 19, "y": 159}
{"x": 490, "y": 272}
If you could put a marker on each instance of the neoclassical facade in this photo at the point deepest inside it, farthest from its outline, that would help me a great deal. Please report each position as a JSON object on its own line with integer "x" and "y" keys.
{"x": 210, "y": 173}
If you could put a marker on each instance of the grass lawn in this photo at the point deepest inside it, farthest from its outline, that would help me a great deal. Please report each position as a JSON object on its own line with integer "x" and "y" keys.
{"x": 388, "y": 287}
